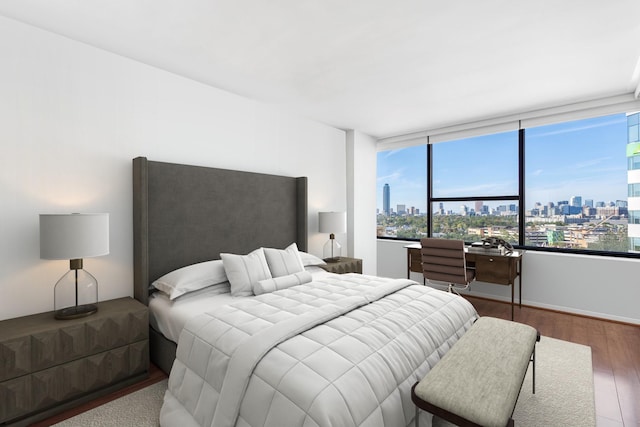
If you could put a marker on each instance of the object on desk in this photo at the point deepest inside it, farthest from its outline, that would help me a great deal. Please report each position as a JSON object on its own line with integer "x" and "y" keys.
{"x": 487, "y": 251}
{"x": 492, "y": 245}
{"x": 443, "y": 260}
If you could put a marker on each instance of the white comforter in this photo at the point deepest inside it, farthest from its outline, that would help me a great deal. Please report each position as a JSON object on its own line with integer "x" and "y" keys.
{"x": 340, "y": 351}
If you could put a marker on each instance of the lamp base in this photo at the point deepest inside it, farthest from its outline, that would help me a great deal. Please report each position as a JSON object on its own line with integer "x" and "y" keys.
{"x": 334, "y": 259}
{"x": 76, "y": 312}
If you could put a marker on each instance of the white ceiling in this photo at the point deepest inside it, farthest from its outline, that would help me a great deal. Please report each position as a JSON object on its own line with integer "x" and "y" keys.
{"x": 383, "y": 67}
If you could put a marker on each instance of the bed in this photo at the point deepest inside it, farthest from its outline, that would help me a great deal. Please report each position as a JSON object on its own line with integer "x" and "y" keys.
{"x": 333, "y": 350}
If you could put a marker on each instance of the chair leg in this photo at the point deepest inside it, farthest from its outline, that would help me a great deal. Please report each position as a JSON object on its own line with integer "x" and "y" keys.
{"x": 453, "y": 290}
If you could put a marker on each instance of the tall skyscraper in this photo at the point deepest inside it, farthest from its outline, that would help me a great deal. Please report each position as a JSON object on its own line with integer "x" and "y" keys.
{"x": 633, "y": 180}
{"x": 576, "y": 201}
{"x": 386, "y": 200}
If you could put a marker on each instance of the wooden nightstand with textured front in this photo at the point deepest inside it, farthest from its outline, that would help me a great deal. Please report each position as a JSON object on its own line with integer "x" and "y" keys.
{"x": 49, "y": 365}
{"x": 345, "y": 265}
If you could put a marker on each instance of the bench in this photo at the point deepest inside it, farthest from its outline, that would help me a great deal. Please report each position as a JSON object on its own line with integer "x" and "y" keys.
{"x": 478, "y": 380}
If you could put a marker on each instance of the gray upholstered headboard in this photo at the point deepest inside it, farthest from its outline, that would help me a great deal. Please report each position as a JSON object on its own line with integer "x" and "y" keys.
{"x": 186, "y": 214}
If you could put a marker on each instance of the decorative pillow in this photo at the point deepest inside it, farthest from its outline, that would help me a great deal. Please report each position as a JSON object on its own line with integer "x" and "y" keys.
{"x": 283, "y": 262}
{"x": 191, "y": 278}
{"x": 282, "y": 282}
{"x": 245, "y": 270}
{"x": 308, "y": 259}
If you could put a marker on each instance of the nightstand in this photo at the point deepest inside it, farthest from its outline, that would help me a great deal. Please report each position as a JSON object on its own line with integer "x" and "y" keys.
{"x": 49, "y": 365}
{"x": 345, "y": 265}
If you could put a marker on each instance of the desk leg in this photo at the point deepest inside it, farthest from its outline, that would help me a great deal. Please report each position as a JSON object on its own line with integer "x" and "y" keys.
{"x": 520, "y": 281}
{"x": 513, "y": 287}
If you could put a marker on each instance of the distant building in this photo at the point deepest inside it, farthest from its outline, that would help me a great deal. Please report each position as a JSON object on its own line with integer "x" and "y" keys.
{"x": 633, "y": 180}
{"x": 386, "y": 200}
{"x": 576, "y": 201}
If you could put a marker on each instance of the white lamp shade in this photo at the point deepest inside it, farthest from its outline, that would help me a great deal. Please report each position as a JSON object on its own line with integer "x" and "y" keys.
{"x": 74, "y": 236}
{"x": 332, "y": 222}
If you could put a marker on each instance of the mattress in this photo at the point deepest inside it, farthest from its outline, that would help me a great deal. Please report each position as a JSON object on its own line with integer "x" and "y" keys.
{"x": 343, "y": 350}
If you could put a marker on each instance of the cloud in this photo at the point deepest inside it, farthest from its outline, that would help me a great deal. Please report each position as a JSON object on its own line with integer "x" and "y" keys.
{"x": 391, "y": 177}
{"x": 392, "y": 152}
{"x": 567, "y": 128}
{"x": 591, "y": 162}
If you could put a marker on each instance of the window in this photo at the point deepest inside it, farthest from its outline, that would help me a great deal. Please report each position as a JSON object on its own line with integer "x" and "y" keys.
{"x": 634, "y": 190}
{"x": 402, "y": 193}
{"x": 475, "y": 220}
{"x": 476, "y": 167}
{"x": 475, "y": 188}
{"x": 578, "y": 190}
{"x": 576, "y": 184}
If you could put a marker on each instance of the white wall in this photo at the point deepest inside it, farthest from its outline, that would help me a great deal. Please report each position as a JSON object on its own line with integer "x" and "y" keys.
{"x": 71, "y": 119}
{"x": 361, "y": 199}
{"x": 606, "y": 287}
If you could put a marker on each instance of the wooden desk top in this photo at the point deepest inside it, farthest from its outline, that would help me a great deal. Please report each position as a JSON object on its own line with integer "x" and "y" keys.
{"x": 514, "y": 254}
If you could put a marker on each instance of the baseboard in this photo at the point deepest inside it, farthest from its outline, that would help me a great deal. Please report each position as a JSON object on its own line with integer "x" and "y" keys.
{"x": 558, "y": 309}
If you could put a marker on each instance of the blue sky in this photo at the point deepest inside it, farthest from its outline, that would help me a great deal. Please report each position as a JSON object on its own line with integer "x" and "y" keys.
{"x": 581, "y": 158}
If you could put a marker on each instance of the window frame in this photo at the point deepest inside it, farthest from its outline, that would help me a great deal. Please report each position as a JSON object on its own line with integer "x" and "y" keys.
{"x": 520, "y": 198}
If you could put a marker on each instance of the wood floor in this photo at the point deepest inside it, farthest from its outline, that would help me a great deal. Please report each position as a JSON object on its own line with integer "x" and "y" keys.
{"x": 615, "y": 352}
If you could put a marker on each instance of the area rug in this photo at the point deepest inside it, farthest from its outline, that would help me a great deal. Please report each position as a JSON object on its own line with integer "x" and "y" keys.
{"x": 564, "y": 394}
{"x": 564, "y": 387}
{"x": 137, "y": 409}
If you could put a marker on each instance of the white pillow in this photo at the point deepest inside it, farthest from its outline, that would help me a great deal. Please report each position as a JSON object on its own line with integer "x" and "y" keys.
{"x": 282, "y": 282}
{"x": 283, "y": 262}
{"x": 245, "y": 270}
{"x": 308, "y": 259}
{"x": 191, "y": 278}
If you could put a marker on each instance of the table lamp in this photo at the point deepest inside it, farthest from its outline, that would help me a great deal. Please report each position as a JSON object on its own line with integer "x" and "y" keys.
{"x": 74, "y": 237}
{"x": 332, "y": 222}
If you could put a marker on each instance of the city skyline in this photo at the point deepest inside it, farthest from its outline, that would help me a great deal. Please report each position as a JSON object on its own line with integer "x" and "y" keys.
{"x": 448, "y": 206}
{"x": 592, "y": 150}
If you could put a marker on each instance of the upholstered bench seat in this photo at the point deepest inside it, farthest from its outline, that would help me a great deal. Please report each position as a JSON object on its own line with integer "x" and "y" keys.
{"x": 478, "y": 381}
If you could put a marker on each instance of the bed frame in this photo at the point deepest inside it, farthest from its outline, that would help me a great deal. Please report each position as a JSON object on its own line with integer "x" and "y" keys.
{"x": 187, "y": 214}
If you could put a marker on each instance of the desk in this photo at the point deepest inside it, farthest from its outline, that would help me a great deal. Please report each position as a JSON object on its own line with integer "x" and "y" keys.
{"x": 490, "y": 268}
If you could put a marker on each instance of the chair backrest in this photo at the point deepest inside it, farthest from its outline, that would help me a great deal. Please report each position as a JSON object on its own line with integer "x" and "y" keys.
{"x": 444, "y": 260}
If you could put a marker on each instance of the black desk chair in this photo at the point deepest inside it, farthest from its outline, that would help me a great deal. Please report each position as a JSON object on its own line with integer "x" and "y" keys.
{"x": 443, "y": 260}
